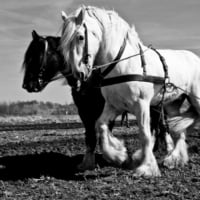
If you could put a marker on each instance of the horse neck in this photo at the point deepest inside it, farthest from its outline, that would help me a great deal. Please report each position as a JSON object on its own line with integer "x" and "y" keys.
{"x": 60, "y": 62}
{"x": 113, "y": 43}
{"x": 115, "y": 31}
{"x": 64, "y": 69}
{"x": 114, "y": 38}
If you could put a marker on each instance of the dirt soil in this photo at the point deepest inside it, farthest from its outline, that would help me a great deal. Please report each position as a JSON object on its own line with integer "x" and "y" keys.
{"x": 41, "y": 164}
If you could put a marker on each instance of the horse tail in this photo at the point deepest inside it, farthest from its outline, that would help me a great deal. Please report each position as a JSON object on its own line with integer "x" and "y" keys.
{"x": 184, "y": 121}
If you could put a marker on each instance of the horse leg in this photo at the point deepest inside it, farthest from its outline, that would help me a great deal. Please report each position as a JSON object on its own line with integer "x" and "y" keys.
{"x": 88, "y": 162}
{"x": 155, "y": 126}
{"x": 174, "y": 109}
{"x": 122, "y": 118}
{"x": 91, "y": 104}
{"x": 144, "y": 157}
{"x": 169, "y": 142}
{"x": 112, "y": 148}
{"x": 178, "y": 156}
{"x": 127, "y": 121}
{"x": 159, "y": 130}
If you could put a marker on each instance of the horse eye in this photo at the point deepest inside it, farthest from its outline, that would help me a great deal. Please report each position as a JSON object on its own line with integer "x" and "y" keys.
{"x": 80, "y": 37}
{"x": 48, "y": 53}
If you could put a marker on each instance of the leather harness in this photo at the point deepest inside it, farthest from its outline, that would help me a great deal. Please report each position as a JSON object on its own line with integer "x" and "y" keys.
{"x": 102, "y": 81}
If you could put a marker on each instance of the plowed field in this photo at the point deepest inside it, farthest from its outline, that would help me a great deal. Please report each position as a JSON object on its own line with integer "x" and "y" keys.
{"x": 41, "y": 164}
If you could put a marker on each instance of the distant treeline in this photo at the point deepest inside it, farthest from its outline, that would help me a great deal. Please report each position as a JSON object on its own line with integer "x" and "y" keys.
{"x": 21, "y": 108}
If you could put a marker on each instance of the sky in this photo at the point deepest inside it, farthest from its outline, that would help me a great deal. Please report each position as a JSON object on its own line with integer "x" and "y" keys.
{"x": 170, "y": 24}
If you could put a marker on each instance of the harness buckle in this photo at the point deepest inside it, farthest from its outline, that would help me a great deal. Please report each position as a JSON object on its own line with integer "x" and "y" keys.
{"x": 167, "y": 80}
{"x": 169, "y": 87}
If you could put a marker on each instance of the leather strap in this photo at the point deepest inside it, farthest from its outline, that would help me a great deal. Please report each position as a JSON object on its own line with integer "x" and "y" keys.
{"x": 131, "y": 77}
{"x": 111, "y": 66}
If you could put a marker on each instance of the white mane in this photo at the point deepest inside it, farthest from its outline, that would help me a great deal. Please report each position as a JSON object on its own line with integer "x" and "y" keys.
{"x": 109, "y": 23}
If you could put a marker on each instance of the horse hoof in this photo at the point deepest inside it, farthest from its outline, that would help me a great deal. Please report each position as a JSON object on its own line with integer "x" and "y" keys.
{"x": 83, "y": 167}
{"x": 146, "y": 171}
{"x": 174, "y": 161}
{"x": 168, "y": 163}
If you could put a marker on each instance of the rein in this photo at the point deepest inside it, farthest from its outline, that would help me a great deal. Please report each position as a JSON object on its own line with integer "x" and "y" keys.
{"x": 96, "y": 67}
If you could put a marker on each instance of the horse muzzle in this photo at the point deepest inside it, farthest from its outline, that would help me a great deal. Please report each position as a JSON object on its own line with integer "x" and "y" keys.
{"x": 35, "y": 86}
{"x": 82, "y": 73}
{"x": 30, "y": 88}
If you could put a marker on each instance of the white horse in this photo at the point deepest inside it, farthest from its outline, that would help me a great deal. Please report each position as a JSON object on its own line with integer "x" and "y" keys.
{"x": 93, "y": 37}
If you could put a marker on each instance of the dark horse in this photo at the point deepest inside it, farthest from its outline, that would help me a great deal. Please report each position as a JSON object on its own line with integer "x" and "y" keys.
{"x": 43, "y": 61}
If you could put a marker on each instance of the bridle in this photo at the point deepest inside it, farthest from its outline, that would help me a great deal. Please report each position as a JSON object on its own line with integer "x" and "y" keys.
{"x": 44, "y": 63}
{"x": 42, "y": 68}
{"x": 86, "y": 51}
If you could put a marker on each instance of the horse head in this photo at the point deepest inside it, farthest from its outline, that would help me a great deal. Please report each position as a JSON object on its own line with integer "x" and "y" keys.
{"x": 42, "y": 62}
{"x": 80, "y": 42}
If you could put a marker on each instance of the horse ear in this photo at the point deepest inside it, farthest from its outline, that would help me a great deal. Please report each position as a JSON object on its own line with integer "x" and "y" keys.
{"x": 64, "y": 15}
{"x": 35, "y": 35}
{"x": 80, "y": 17}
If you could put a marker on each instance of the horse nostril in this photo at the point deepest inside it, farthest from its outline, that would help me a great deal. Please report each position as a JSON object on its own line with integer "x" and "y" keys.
{"x": 24, "y": 86}
{"x": 79, "y": 76}
{"x": 82, "y": 76}
{"x": 36, "y": 90}
{"x": 40, "y": 82}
